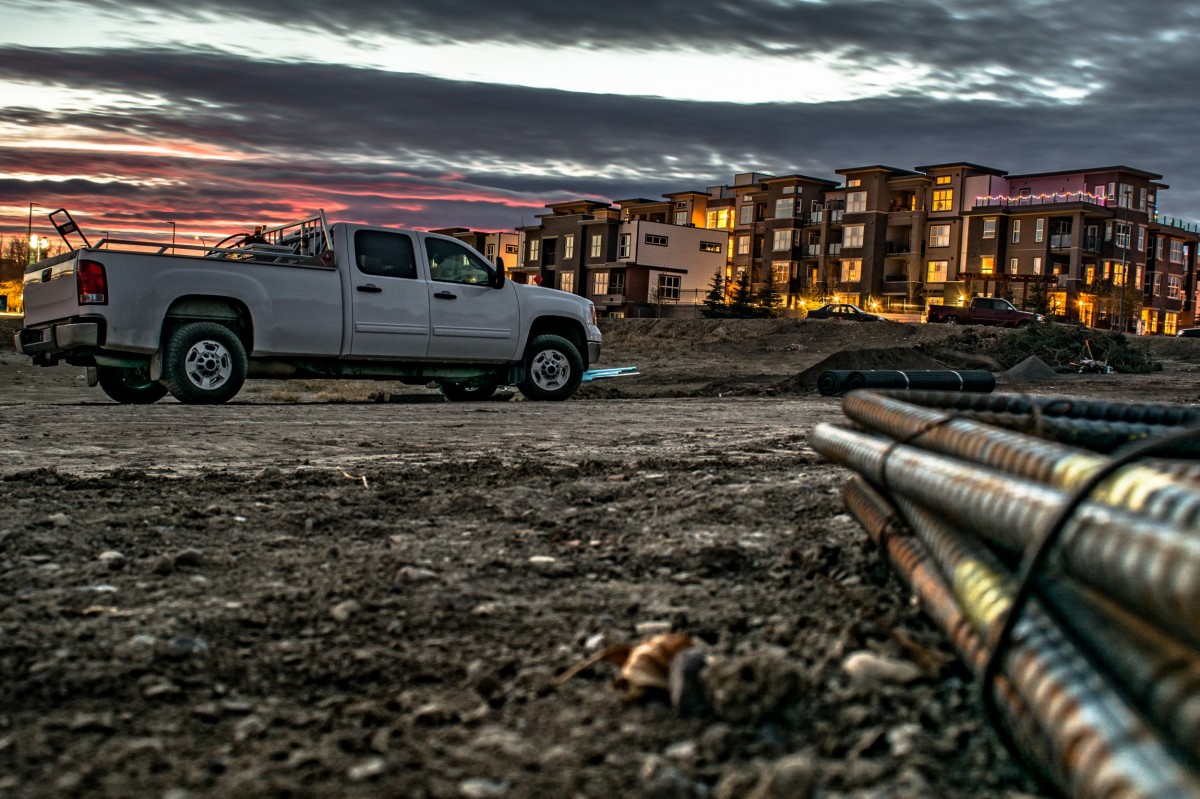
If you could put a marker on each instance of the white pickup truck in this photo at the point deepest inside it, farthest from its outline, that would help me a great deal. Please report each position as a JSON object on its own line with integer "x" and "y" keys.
{"x": 304, "y": 300}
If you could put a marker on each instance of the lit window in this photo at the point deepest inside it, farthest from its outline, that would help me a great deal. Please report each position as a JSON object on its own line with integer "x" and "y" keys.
{"x": 856, "y": 202}
{"x": 784, "y": 208}
{"x": 939, "y": 235}
{"x": 597, "y": 243}
{"x": 1012, "y": 266}
{"x": 533, "y": 248}
{"x": 681, "y": 217}
{"x": 566, "y": 282}
{"x": 942, "y": 180}
{"x": 987, "y": 264}
{"x": 853, "y": 236}
{"x": 599, "y": 284}
{"x": 943, "y": 200}
{"x": 1037, "y": 265}
{"x": 710, "y": 246}
{"x": 852, "y": 270}
{"x": 743, "y": 245}
{"x": 568, "y": 247}
{"x": 989, "y": 227}
{"x": 936, "y": 271}
{"x": 852, "y": 182}
{"x": 782, "y": 240}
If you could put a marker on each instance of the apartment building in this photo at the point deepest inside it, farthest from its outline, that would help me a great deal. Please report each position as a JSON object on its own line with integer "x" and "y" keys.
{"x": 500, "y": 247}
{"x": 1086, "y": 244}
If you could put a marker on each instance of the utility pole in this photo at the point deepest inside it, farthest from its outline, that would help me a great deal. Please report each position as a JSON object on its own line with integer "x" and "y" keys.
{"x": 29, "y": 235}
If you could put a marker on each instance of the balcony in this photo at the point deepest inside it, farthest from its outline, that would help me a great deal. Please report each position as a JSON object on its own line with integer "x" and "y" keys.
{"x": 836, "y": 215}
{"x": 1033, "y": 200}
{"x": 813, "y": 250}
{"x": 815, "y": 217}
{"x": 898, "y": 247}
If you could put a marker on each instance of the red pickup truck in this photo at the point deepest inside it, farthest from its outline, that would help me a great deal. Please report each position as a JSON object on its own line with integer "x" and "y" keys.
{"x": 982, "y": 311}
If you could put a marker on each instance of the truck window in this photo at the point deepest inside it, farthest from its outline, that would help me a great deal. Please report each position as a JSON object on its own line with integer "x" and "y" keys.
{"x": 451, "y": 262}
{"x": 385, "y": 254}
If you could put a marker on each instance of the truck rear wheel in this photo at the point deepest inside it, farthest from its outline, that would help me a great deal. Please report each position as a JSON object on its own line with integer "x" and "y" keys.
{"x": 950, "y": 320}
{"x": 129, "y": 386}
{"x": 204, "y": 364}
{"x": 553, "y": 369}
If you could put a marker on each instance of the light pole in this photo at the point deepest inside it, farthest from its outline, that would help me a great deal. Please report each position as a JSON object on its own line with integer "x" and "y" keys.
{"x": 172, "y": 238}
{"x": 36, "y": 245}
{"x": 29, "y": 234}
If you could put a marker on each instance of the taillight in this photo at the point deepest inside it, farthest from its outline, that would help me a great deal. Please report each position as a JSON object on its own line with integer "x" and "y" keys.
{"x": 92, "y": 283}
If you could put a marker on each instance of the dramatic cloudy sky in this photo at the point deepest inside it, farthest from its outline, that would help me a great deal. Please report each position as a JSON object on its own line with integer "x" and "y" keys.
{"x": 207, "y": 113}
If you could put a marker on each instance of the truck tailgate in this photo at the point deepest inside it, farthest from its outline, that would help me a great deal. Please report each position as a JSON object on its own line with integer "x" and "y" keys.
{"x": 50, "y": 290}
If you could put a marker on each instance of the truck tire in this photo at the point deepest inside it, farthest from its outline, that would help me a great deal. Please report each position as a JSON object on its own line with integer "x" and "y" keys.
{"x": 553, "y": 369}
{"x": 465, "y": 392}
{"x": 204, "y": 364}
{"x": 129, "y": 386}
{"x": 951, "y": 320}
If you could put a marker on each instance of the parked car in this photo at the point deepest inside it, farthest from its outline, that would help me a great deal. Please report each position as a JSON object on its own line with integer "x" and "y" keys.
{"x": 1188, "y": 332}
{"x": 843, "y": 310}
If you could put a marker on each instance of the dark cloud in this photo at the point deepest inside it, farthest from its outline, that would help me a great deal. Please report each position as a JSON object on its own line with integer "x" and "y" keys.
{"x": 406, "y": 149}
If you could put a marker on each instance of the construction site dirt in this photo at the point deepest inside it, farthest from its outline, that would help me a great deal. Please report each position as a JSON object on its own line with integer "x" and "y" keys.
{"x": 332, "y": 589}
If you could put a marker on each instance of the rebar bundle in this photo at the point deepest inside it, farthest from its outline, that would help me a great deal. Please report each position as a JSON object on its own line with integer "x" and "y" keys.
{"x": 1066, "y": 575}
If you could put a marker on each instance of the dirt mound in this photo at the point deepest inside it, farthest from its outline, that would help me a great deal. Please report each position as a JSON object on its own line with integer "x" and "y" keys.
{"x": 1057, "y": 345}
{"x": 883, "y": 358}
{"x": 1029, "y": 370}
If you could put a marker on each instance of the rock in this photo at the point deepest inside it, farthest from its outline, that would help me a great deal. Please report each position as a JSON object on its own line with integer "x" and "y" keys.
{"x": 792, "y": 777}
{"x": 342, "y": 611}
{"x": 684, "y": 684}
{"x": 753, "y": 688}
{"x": 903, "y": 739}
{"x": 367, "y": 769}
{"x": 189, "y": 557}
{"x": 410, "y": 575}
{"x": 112, "y": 559}
{"x": 163, "y": 565}
{"x": 866, "y": 669}
{"x": 59, "y": 519}
{"x": 481, "y": 788}
{"x": 183, "y": 646}
{"x": 662, "y": 780}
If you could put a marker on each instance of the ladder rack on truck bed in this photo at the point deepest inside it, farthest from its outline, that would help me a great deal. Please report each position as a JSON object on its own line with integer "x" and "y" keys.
{"x": 306, "y": 241}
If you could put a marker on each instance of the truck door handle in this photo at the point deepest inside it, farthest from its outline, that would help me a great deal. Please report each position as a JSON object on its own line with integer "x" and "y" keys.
{"x": 370, "y": 288}
{"x": 445, "y": 295}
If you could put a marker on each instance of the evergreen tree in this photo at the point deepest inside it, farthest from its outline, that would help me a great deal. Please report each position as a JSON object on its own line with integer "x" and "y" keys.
{"x": 742, "y": 304}
{"x": 768, "y": 299}
{"x": 715, "y": 299}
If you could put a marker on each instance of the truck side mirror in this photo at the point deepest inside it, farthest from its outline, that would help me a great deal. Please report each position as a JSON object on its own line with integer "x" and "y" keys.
{"x": 496, "y": 277}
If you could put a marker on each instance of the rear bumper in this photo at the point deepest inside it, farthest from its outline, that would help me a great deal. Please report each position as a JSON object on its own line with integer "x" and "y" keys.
{"x": 57, "y": 338}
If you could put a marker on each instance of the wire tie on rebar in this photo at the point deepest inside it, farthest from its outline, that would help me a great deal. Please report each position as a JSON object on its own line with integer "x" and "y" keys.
{"x": 1034, "y": 559}
{"x": 908, "y": 439}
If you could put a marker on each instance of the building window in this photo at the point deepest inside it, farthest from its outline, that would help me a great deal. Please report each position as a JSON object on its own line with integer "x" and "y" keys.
{"x": 939, "y": 235}
{"x": 623, "y": 248}
{"x": 668, "y": 287}
{"x": 1141, "y": 238}
{"x": 657, "y": 241}
{"x": 856, "y": 202}
{"x": 942, "y": 180}
{"x": 599, "y": 284}
{"x": 989, "y": 227}
{"x": 720, "y": 219}
{"x": 1016, "y": 229}
{"x": 1039, "y": 230}
{"x": 1142, "y": 200}
{"x": 1123, "y": 231}
{"x": 1157, "y": 284}
{"x": 1158, "y": 248}
{"x": 852, "y": 182}
{"x": 1176, "y": 252}
{"x": 785, "y": 208}
{"x": 1126, "y": 198}
{"x": 987, "y": 264}
{"x": 1012, "y": 266}
{"x": 597, "y": 244}
{"x": 566, "y": 282}
{"x": 681, "y": 217}
{"x": 1037, "y": 265}
{"x": 943, "y": 200}
{"x": 616, "y": 283}
{"x": 780, "y": 271}
{"x": 853, "y": 236}
{"x": 533, "y": 249}
{"x": 746, "y": 214}
{"x": 710, "y": 246}
{"x": 568, "y": 246}
{"x": 1174, "y": 283}
{"x": 491, "y": 250}
{"x": 782, "y": 240}
{"x": 851, "y": 270}
{"x": 936, "y": 271}
{"x": 743, "y": 245}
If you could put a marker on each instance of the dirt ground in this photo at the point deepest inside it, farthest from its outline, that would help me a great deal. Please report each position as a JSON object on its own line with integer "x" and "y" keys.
{"x": 359, "y": 590}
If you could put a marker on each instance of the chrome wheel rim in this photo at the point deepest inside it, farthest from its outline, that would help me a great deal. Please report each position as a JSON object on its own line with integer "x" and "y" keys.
{"x": 208, "y": 364}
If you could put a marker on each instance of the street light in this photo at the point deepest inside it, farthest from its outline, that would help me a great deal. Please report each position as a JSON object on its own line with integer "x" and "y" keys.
{"x": 29, "y": 233}
{"x": 37, "y": 244}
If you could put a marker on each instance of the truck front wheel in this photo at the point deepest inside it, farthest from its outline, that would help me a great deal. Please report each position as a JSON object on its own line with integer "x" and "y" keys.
{"x": 553, "y": 369}
{"x": 129, "y": 386}
{"x": 204, "y": 364}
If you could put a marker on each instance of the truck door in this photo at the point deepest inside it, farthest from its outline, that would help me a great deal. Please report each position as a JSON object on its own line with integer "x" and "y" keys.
{"x": 390, "y": 305}
{"x": 470, "y": 318}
